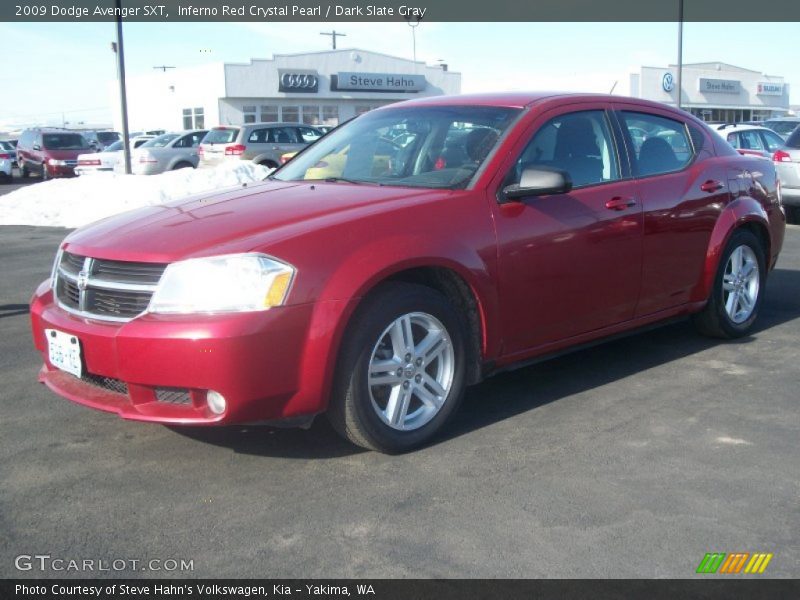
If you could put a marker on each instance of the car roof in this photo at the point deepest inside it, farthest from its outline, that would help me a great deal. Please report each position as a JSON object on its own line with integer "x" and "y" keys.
{"x": 518, "y": 99}
{"x": 731, "y": 127}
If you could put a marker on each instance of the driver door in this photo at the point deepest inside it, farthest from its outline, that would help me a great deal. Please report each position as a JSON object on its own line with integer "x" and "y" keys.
{"x": 569, "y": 263}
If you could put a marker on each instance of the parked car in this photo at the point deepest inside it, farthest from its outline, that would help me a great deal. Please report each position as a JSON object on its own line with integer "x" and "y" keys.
{"x": 783, "y": 126}
{"x": 108, "y": 159}
{"x": 168, "y": 152}
{"x": 6, "y": 162}
{"x": 50, "y": 152}
{"x": 7, "y": 147}
{"x": 787, "y": 162}
{"x": 751, "y": 139}
{"x": 378, "y": 293}
{"x": 100, "y": 140}
{"x": 263, "y": 143}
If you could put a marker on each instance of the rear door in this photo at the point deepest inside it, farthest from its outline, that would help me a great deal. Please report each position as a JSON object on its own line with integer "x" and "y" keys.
{"x": 683, "y": 190}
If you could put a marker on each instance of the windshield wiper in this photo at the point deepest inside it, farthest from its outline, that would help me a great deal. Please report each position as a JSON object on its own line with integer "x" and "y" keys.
{"x": 342, "y": 179}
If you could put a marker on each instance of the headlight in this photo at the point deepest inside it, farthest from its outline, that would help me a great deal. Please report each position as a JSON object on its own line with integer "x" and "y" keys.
{"x": 56, "y": 163}
{"x": 54, "y": 271}
{"x": 231, "y": 283}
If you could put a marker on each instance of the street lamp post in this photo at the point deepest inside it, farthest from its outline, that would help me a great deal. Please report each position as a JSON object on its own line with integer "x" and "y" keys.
{"x": 413, "y": 22}
{"x": 123, "y": 96}
{"x": 680, "y": 52}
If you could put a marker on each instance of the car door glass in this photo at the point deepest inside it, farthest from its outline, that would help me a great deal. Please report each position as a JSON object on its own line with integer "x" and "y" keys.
{"x": 733, "y": 140}
{"x": 665, "y": 147}
{"x": 579, "y": 143}
{"x": 284, "y": 135}
{"x": 750, "y": 140}
{"x": 259, "y": 136}
{"x": 309, "y": 135}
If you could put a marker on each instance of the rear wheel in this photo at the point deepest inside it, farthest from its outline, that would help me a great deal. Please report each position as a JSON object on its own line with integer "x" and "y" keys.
{"x": 793, "y": 214}
{"x": 183, "y": 165}
{"x": 400, "y": 374}
{"x": 23, "y": 170}
{"x": 738, "y": 286}
{"x": 269, "y": 164}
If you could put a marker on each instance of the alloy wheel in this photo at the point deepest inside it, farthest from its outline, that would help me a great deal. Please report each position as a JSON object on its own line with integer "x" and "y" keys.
{"x": 740, "y": 284}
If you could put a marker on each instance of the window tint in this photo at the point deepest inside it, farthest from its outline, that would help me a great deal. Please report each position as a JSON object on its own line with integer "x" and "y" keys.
{"x": 258, "y": 136}
{"x": 579, "y": 143}
{"x": 160, "y": 141}
{"x": 64, "y": 141}
{"x": 794, "y": 139}
{"x": 663, "y": 144}
{"x": 221, "y": 135}
{"x": 189, "y": 141}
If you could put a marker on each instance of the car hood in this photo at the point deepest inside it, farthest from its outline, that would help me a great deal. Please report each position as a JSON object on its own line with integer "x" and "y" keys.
{"x": 241, "y": 219}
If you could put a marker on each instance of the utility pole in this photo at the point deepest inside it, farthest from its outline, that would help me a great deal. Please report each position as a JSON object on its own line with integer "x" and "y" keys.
{"x": 680, "y": 52}
{"x": 334, "y": 35}
{"x": 163, "y": 68}
{"x": 123, "y": 97}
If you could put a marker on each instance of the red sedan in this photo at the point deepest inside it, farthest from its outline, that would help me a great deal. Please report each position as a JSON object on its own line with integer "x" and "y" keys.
{"x": 406, "y": 255}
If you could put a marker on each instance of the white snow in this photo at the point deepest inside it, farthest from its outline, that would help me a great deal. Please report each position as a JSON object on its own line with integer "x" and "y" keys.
{"x": 79, "y": 200}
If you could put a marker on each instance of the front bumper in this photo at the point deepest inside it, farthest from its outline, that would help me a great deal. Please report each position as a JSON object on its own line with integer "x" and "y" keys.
{"x": 253, "y": 359}
{"x": 59, "y": 170}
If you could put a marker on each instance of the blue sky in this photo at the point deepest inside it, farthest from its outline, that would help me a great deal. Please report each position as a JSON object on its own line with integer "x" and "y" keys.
{"x": 65, "y": 67}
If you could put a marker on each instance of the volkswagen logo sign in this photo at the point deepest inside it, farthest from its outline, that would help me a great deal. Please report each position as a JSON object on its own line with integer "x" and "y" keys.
{"x": 307, "y": 83}
{"x": 82, "y": 280}
{"x": 668, "y": 82}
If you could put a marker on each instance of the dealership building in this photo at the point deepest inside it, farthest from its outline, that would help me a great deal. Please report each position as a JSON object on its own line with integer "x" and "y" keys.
{"x": 715, "y": 91}
{"x": 315, "y": 88}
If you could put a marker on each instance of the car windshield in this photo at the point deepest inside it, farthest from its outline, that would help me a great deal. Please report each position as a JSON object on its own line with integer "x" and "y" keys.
{"x": 223, "y": 135}
{"x": 63, "y": 141}
{"x": 160, "y": 141}
{"x": 782, "y": 127}
{"x": 107, "y": 137}
{"x": 430, "y": 146}
{"x": 7, "y": 146}
{"x": 115, "y": 147}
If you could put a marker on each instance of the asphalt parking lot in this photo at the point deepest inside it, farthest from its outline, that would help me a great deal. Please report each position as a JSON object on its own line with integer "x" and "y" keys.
{"x": 630, "y": 459}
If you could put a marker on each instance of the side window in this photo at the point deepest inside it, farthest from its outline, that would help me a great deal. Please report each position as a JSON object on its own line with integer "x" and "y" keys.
{"x": 750, "y": 140}
{"x": 259, "y": 136}
{"x": 665, "y": 146}
{"x": 579, "y": 143}
{"x": 773, "y": 140}
{"x": 309, "y": 135}
{"x": 284, "y": 135}
{"x": 733, "y": 140}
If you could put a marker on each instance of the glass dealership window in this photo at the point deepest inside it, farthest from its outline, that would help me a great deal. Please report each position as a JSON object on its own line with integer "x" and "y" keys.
{"x": 269, "y": 113}
{"x": 193, "y": 118}
{"x": 249, "y": 114}
{"x": 330, "y": 116}
{"x": 290, "y": 114}
{"x": 311, "y": 114}
{"x": 187, "y": 118}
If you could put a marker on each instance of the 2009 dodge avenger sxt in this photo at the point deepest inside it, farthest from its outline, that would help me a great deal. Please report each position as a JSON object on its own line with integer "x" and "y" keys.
{"x": 406, "y": 255}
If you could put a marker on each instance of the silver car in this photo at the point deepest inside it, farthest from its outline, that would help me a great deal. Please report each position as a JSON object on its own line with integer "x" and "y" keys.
{"x": 168, "y": 152}
{"x": 787, "y": 163}
{"x": 262, "y": 143}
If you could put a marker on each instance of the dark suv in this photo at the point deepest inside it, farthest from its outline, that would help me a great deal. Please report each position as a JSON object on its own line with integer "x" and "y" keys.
{"x": 50, "y": 152}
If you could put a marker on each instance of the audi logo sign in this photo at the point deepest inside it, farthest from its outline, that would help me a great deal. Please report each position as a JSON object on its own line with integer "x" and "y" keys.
{"x": 304, "y": 82}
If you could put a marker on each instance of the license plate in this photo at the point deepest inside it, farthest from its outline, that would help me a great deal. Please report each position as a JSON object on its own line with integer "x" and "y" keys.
{"x": 64, "y": 350}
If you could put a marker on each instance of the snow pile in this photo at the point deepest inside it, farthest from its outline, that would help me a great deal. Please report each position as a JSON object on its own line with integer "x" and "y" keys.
{"x": 80, "y": 200}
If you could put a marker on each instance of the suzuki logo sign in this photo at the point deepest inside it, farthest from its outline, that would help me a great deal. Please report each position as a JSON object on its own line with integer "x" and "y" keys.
{"x": 304, "y": 82}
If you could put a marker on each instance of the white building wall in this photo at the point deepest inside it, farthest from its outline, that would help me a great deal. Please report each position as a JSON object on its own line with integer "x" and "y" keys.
{"x": 157, "y": 100}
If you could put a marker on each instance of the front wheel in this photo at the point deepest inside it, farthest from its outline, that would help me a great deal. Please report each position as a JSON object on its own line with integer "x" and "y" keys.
{"x": 738, "y": 287}
{"x": 400, "y": 374}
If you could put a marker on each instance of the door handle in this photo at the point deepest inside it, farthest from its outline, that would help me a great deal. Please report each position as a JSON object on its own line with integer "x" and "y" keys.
{"x": 711, "y": 186}
{"x": 619, "y": 203}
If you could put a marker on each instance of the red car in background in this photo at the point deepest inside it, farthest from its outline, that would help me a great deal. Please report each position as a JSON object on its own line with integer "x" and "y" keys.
{"x": 450, "y": 238}
{"x": 50, "y": 152}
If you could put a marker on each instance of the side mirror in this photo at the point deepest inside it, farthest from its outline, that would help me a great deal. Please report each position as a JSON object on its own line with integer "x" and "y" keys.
{"x": 538, "y": 181}
{"x": 37, "y": 147}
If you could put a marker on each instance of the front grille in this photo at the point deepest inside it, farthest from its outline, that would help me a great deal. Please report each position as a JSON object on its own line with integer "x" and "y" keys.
{"x": 106, "y": 289}
{"x": 173, "y": 396}
{"x": 107, "y": 383}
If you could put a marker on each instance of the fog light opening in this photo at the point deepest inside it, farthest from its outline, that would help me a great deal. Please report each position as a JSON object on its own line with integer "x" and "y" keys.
{"x": 216, "y": 402}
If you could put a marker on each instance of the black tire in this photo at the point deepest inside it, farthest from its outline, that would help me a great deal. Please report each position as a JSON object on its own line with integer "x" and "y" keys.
{"x": 351, "y": 410}
{"x": 45, "y": 175}
{"x": 183, "y": 165}
{"x": 269, "y": 164}
{"x": 793, "y": 215}
{"x": 5, "y": 179}
{"x": 23, "y": 170}
{"x": 714, "y": 320}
